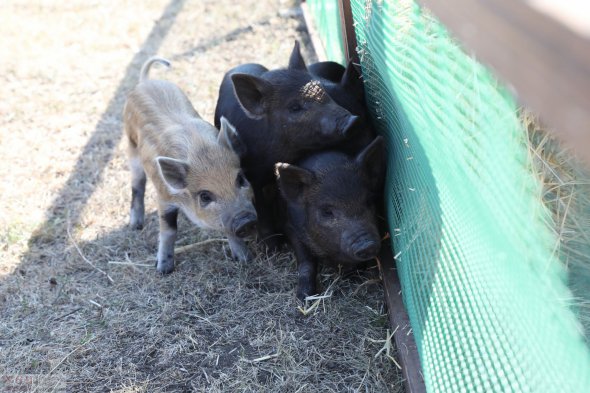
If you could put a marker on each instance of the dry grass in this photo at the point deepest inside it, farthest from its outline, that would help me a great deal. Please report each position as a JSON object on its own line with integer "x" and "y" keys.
{"x": 566, "y": 193}
{"x": 82, "y": 307}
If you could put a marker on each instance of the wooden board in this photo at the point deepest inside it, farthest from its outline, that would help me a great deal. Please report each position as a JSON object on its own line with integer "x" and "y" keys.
{"x": 546, "y": 61}
{"x": 348, "y": 34}
{"x": 398, "y": 319}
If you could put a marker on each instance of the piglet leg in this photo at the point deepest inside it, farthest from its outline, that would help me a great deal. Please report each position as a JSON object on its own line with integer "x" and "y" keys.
{"x": 138, "y": 180}
{"x": 265, "y": 209}
{"x": 307, "y": 268}
{"x": 168, "y": 228}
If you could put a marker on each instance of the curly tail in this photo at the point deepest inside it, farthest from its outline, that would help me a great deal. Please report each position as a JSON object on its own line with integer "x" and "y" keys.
{"x": 145, "y": 69}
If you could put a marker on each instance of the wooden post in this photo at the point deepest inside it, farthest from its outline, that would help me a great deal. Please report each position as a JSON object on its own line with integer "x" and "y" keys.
{"x": 348, "y": 34}
{"x": 398, "y": 319}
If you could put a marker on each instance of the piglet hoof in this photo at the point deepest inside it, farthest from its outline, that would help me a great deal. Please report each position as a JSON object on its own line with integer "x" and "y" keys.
{"x": 136, "y": 221}
{"x": 301, "y": 296}
{"x": 239, "y": 249}
{"x": 165, "y": 265}
{"x": 247, "y": 256}
{"x": 304, "y": 290}
{"x": 136, "y": 225}
{"x": 241, "y": 254}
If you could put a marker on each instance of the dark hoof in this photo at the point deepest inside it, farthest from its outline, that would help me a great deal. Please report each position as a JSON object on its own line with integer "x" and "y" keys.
{"x": 136, "y": 221}
{"x": 242, "y": 256}
{"x": 301, "y": 297}
{"x": 165, "y": 267}
{"x": 304, "y": 291}
{"x": 137, "y": 226}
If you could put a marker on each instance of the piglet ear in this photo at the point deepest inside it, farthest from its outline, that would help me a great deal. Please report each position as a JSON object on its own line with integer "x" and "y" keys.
{"x": 371, "y": 160}
{"x": 173, "y": 173}
{"x": 229, "y": 138}
{"x": 251, "y": 92}
{"x": 292, "y": 180}
{"x": 296, "y": 61}
{"x": 351, "y": 79}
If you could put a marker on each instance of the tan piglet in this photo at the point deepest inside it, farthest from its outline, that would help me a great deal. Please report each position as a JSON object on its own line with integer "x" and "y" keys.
{"x": 194, "y": 167}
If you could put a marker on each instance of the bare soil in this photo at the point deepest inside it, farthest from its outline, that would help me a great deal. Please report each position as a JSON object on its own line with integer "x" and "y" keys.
{"x": 82, "y": 308}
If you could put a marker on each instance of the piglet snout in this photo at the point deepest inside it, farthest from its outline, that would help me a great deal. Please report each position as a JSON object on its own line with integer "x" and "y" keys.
{"x": 349, "y": 124}
{"x": 365, "y": 247}
{"x": 338, "y": 126}
{"x": 244, "y": 224}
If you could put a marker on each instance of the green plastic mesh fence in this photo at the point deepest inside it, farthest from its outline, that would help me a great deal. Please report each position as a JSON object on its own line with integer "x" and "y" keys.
{"x": 479, "y": 259}
{"x": 327, "y": 22}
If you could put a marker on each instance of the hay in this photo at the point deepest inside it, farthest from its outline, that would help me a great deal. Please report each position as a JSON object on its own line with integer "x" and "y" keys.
{"x": 566, "y": 194}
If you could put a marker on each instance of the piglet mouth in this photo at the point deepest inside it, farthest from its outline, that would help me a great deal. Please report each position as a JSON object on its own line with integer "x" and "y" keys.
{"x": 244, "y": 224}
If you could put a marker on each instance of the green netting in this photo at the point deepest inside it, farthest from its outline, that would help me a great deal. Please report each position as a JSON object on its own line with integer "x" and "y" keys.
{"x": 327, "y": 21}
{"x": 479, "y": 258}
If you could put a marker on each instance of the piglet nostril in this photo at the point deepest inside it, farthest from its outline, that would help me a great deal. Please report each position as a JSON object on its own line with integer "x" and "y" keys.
{"x": 244, "y": 225}
{"x": 246, "y": 229}
{"x": 366, "y": 249}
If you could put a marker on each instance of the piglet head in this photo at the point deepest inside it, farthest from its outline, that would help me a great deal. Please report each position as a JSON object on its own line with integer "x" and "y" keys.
{"x": 334, "y": 196}
{"x": 209, "y": 185}
{"x": 293, "y": 105}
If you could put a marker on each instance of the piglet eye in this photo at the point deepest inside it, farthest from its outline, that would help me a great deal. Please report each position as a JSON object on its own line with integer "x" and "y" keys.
{"x": 295, "y": 107}
{"x": 327, "y": 212}
{"x": 241, "y": 180}
{"x": 205, "y": 198}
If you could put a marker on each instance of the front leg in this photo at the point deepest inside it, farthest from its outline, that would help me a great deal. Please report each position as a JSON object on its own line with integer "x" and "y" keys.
{"x": 307, "y": 268}
{"x": 265, "y": 201}
{"x": 138, "y": 180}
{"x": 168, "y": 228}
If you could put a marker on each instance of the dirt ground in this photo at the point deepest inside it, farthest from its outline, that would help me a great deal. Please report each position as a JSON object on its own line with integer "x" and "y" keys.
{"x": 82, "y": 308}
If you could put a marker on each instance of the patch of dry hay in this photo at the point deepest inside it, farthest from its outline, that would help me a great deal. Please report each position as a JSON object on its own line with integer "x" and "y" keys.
{"x": 566, "y": 193}
{"x": 213, "y": 323}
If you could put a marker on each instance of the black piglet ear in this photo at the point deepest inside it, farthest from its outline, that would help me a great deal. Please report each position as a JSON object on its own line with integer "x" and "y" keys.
{"x": 251, "y": 92}
{"x": 372, "y": 161}
{"x": 351, "y": 79}
{"x": 292, "y": 180}
{"x": 296, "y": 61}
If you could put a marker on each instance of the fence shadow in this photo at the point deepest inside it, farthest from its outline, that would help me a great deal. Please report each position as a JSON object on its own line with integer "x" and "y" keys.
{"x": 99, "y": 149}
